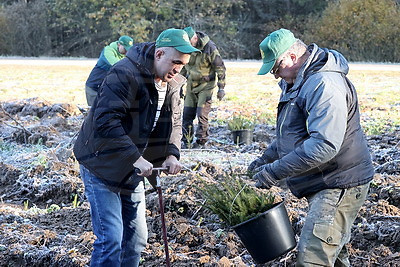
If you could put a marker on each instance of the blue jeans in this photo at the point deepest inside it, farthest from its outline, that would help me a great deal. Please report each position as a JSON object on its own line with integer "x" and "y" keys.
{"x": 118, "y": 221}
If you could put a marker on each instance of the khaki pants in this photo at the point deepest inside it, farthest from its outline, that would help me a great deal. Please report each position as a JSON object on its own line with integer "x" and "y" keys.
{"x": 327, "y": 228}
{"x": 90, "y": 95}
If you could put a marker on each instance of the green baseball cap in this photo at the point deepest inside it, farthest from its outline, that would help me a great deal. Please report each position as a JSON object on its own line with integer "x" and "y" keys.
{"x": 273, "y": 46}
{"x": 177, "y": 39}
{"x": 126, "y": 42}
{"x": 189, "y": 31}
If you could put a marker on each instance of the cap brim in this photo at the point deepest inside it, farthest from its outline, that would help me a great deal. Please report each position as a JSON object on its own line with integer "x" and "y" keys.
{"x": 266, "y": 67}
{"x": 186, "y": 49}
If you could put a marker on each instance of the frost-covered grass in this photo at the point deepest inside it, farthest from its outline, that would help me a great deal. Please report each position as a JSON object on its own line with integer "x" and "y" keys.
{"x": 248, "y": 94}
{"x": 23, "y": 155}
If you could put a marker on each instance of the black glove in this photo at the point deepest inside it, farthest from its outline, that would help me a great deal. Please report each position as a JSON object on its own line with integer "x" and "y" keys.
{"x": 254, "y": 165}
{"x": 205, "y": 78}
{"x": 265, "y": 177}
{"x": 260, "y": 185}
{"x": 220, "y": 94}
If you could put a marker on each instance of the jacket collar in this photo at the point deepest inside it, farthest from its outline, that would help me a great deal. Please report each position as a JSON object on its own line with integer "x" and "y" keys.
{"x": 142, "y": 54}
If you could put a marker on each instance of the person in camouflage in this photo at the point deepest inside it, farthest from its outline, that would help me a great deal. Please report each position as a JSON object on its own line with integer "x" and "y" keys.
{"x": 202, "y": 72}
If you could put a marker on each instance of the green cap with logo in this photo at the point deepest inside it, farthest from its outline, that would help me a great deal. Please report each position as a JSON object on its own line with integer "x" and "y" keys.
{"x": 273, "y": 46}
{"x": 189, "y": 31}
{"x": 177, "y": 39}
{"x": 126, "y": 42}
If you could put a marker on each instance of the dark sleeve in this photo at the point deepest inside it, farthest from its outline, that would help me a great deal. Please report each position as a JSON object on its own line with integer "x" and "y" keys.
{"x": 115, "y": 96}
{"x": 270, "y": 154}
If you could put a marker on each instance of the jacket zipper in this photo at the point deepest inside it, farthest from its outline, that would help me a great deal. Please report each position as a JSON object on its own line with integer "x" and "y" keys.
{"x": 284, "y": 118}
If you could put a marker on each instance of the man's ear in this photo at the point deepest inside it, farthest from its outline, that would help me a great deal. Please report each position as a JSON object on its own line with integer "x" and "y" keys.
{"x": 159, "y": 53}
{"x": 294, "y": 58}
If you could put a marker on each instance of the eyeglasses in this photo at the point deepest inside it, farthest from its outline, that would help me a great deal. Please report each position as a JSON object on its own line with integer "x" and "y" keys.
{"x": 274, "y": 71}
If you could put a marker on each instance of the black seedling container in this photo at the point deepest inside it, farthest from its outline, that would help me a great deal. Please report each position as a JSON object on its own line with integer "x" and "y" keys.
{"x": 267, "y": 236}
{"x": 241, "y": 137}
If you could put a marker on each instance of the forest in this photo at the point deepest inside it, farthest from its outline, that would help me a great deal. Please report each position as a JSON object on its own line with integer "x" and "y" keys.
{"x": 363, "y": 30}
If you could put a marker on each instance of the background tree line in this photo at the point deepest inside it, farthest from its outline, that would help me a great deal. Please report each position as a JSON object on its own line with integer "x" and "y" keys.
{"x": 363, "y": 30}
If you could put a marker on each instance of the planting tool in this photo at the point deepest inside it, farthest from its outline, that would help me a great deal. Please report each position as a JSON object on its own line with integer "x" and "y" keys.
{"x": 160, "y": 200}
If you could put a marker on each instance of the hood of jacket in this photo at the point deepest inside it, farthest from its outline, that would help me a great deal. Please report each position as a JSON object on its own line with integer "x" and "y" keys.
{"x": 143, "y": 55}
{"x": 320, "y": 60}
{"x": 203, "y": 40}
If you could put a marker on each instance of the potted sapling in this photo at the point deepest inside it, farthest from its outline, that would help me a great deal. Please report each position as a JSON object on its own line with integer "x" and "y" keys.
{"x": 241, "y": 129}
{"x": 260, "y": 221}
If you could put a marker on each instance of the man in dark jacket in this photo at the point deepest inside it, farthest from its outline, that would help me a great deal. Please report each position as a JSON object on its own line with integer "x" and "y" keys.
{"x": 134, "y": 123}
{"x": 320, "y": 151}
{"x": 204, "y": 71}
{"x": 110, "y": 55}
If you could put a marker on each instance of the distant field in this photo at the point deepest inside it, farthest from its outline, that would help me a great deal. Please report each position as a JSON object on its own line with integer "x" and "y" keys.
{"x": 63, "y": 81}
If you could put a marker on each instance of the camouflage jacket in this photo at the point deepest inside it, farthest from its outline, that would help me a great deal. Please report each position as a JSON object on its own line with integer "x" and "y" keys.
{"x": 204, "y": 68}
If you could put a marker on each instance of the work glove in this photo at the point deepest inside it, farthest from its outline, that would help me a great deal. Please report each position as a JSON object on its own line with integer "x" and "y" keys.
{"x": 264, "y": 177}
{"x": 205, "y": 78}
{"x": 254, "y": 165}
{"x": 220, "y": 94}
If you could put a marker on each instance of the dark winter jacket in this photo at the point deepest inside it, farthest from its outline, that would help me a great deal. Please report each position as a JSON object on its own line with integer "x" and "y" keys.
{"x": 203, "y": 68}
{"x": 108, "y": 57}
{"x": 118, "y": 128}
{"x": 320, "y": 143}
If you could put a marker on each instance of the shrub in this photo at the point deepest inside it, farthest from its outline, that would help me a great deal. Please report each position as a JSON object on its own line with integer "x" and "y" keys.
{"x": 5, "y": 31}
{"x": 240, "y": 123}
{"x": 27, "y": 29}
{"x": 233, "y": 200}
{"x": 363, "y": 30}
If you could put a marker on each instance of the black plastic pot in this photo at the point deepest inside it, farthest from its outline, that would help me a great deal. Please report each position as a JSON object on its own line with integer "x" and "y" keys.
{"x": 267, "y": 236}
{"x": 242, "y": 137}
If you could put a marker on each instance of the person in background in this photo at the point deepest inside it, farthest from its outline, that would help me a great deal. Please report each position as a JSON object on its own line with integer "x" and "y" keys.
{"x": 320, "y": 151}
{"x": 110, "y": 55}
{"x": 133, "y": 125}
{"x": 204, "y": 71}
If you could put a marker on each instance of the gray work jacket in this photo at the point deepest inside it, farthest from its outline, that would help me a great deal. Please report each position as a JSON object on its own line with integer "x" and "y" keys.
{"x": 320, "y": 143}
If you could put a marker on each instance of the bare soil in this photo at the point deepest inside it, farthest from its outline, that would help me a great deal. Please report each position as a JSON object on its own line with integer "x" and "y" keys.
{"x": 45, "y": 220}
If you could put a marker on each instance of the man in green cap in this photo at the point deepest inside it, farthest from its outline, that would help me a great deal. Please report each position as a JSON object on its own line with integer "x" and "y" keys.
{"x": 133, "y": 125}
{"x": 202, "y": 73}
{"x": 110, "y": 55}
{"x": 320, "y": 152}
